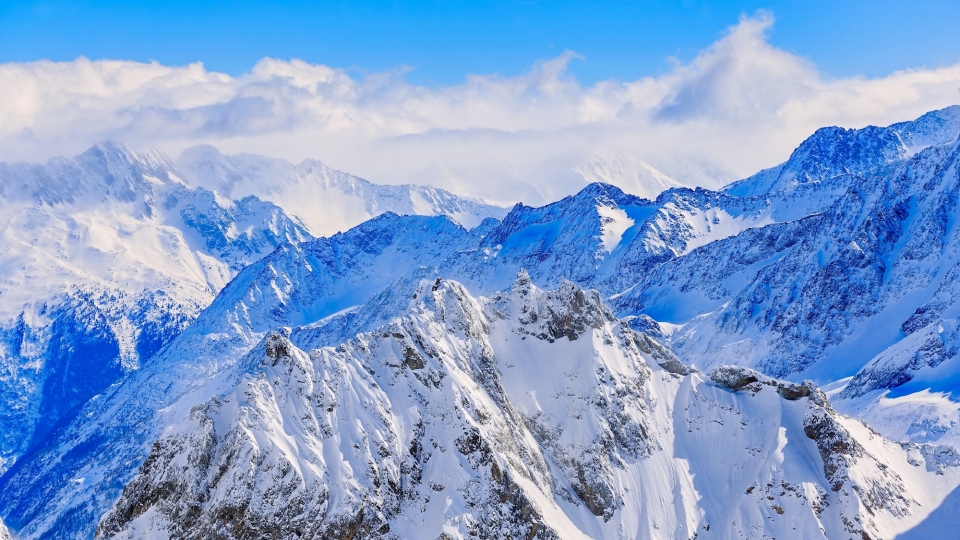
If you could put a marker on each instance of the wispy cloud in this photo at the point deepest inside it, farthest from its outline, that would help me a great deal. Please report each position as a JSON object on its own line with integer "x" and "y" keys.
{"x": 740, "y": 105}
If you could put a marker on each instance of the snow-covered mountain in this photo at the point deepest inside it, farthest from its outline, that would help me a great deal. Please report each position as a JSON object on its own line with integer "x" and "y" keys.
{"x": 343, "y": 375}
{"x": 326, "y": 200}
{"x": 296, "y": 284}
{"x": 649, "y": 180}
{"x": 529, "y": 414}
{"x": 833, "y": 153}
{"x": 861, "y": 288}
{"x": 105, "y": 258}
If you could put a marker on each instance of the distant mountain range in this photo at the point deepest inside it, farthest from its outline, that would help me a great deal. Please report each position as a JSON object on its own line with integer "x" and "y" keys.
{"x": 191, "y": 352}
{"x": 325, "y": 200}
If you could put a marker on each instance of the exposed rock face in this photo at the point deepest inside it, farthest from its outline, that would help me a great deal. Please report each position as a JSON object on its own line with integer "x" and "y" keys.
{"x": 736, "y": 378}
{"x": 277, "y": 346}
{"x": 377, "y": 423}
{"x": 4, "y": 533}
{"x": 531, "y": 414}
{"x": 739, "y": 378}
{"x": 877, "y": 489}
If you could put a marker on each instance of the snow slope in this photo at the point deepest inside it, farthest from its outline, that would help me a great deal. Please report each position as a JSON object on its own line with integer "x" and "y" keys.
{"x": 864, "y": 286}
{"x": 326, "y": 200}
{"x": 843, "y": 273}
{"x": 603, "y": 237}
{"x": 529, "y": 414}
{"x": 869, "y": 152}
{"x": 106, "y": 257}
{"x": 861, "y": 289}
{"x": 88, "y": 460}
{"x": 319, "y": 284}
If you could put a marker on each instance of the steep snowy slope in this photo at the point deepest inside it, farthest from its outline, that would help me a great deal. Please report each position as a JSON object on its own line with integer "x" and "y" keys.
{"x": 869, "y": 152}
{"x": 325, "y": 199}
{"x": 62, "y": 488}
{"x": 864, "y": 284}
{"x": 531, "y": 414}
{"x": 605, "y": 238}
{"x": 830, "y": 291}
{"x": 104, "y": 258}
{"x": 601, "y": 237}
{"x": 325, "y": 284}
{"x": 317, "y": 283}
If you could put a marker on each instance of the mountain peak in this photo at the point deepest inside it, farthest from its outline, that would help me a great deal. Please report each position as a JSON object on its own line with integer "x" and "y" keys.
{"x": 106, "y": 171}
{"x": 302, "y": 189}
{"x": 524, "y": 417}
{"x": 357, "y": 392}
{"x": 832, "y": 152}
{"x": 523, "y": 284}
{"x": 601, "y": 191}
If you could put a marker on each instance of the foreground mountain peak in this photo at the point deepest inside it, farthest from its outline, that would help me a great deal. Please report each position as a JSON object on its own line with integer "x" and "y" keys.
{"x": 532, "y": 413}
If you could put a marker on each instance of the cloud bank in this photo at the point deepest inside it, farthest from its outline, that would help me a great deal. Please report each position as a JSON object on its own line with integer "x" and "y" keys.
{"x": 739, "y": 106}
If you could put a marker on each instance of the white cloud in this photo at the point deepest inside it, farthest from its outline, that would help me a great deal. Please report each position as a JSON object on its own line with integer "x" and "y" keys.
{"x": 741, "y": 105}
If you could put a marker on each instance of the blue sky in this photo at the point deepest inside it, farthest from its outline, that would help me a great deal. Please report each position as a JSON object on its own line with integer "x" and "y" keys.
{"x": 505, "y": 101}
{"x": 444, "y": 41}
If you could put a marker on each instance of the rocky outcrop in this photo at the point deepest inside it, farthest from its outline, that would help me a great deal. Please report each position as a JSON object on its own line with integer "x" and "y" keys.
{"x": 863, "y": 486}
{"x": 4, "y": 533}
{"x": 531, "y": 414}
{"x": 738, "y": 378}
{"x": 353, "y": 470}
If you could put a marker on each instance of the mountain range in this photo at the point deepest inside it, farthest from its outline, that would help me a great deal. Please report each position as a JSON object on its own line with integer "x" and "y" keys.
{"x": 191, "y": 352}
{"x": 108, "y": 255}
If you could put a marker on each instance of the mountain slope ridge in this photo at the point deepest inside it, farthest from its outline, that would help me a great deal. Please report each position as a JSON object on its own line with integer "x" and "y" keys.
{"x": 721, "y": 273}
{"x": 327, "y": 200}
{"x": 106, "y": 257}
{"x": 360, "y": 440}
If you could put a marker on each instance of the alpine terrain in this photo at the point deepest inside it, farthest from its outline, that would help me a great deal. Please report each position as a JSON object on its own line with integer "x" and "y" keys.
{"x": 237, "y": 347}
{"x": 106, "y": 257}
